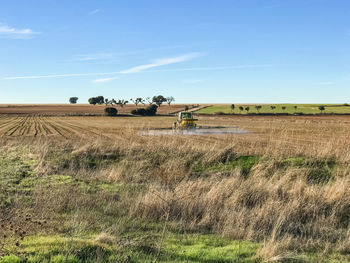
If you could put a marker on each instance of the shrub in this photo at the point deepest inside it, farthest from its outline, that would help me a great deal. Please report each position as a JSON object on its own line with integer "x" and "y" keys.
{"x": 140, "y": 111}
{"x": 149, "y": 111}
{"x": 110, "y": 111}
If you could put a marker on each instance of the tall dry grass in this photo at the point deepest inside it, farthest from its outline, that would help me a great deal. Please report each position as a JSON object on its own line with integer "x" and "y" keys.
{"x": 277, "y": 203}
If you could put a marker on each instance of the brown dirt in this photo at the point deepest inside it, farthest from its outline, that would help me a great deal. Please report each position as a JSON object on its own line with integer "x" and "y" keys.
{"x": 78, "y": 109}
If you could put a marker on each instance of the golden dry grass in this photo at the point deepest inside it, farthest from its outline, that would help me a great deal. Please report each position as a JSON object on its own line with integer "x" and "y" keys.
{"x": 321, "y": 136}
{"x": 194, "y": 180}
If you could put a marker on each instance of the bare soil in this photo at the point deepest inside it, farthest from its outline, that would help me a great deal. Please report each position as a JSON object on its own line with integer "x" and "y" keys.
{"x": 78, "y": 109}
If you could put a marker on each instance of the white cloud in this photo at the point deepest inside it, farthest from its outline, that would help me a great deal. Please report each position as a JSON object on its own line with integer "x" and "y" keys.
{"x": 12, "y": 32}
{"x": 104, "y": 80}
{"x": 161, "y": 62}
{"x": 94, "y": 12}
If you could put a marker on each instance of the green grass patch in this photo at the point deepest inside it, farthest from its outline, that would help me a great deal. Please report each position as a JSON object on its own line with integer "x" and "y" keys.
{"x": 294, "y": 161}
{"x": 208, "y": 248}
{"x": 175, "y": 248}
{"x": 245, "y": 163}
{"x": 13, "y": 171}
{"x": 279, "y": 108}
{"x": 318, "y": 172}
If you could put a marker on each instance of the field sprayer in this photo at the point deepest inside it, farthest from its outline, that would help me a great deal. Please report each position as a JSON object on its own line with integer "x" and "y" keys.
{"x": 185, "y": 120}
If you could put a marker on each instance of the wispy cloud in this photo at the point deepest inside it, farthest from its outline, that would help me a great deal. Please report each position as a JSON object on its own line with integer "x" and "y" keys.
{"x": 212, "y": 68}
{"x": 161, "y": 62}
{"x": 122, "y": 72}
{"x": 104, "y": 80}
{"x": 93, "y": 12}
{"x": 11, "y": 32}
{"x": 109, "y": 56}
{"x": 93, "y": 57}
{"x": 142, "y": 68}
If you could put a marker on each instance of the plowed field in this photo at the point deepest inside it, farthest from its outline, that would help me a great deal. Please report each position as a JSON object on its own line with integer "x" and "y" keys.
{"x": 79, "y": 109}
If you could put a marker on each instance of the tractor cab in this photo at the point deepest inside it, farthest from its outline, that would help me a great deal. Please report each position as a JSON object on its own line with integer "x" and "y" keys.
{"x": 185, "y": 115}
{"x": 185, "y": 120}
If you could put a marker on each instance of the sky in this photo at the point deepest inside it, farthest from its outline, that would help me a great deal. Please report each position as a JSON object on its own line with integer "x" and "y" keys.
{"x": 198, "y": 51}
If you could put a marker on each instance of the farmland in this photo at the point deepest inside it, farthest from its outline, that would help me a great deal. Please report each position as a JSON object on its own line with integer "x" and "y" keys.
{"x": 289, "y": 109}
{"x": 79, "y": 109}
{"x": 95, "y": 189}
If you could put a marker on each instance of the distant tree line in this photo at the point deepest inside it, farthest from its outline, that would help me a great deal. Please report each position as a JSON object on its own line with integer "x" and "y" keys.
{"x": 154, "y": 103}
{"x": 272, "y": 107}
{"x": 157, "y": 100}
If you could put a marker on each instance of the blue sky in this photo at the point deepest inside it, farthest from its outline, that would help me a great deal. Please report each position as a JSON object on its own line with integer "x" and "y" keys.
{"x": 223, "y": 51}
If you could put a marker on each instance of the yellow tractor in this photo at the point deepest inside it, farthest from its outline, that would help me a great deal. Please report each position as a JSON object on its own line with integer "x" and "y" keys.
{"x": 185, "y": 120}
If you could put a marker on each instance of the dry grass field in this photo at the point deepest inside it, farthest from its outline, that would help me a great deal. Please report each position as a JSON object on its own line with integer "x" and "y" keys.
{"x": 326, "y": 136}
{"x": 94, "y": 189}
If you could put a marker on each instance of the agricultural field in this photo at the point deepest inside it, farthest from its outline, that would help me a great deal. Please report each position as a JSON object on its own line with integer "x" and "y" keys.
{"x": 79, "y": 109}
{"x": 97, "y": 189}
{"x": 289, "y": 109}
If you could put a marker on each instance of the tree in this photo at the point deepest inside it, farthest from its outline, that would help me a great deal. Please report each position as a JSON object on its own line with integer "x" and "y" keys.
{"x": 258, "y": 107}
{"x": 295, "y": 108}
{"x": 169, "y": 100}
{"x": 232, "y": 107}
{"x": 97, "y": 100}
{"x": 240, "y": 109}
{"x": 321, "y": 108}
{"x": 93, "y": 101}
{"x": 121, "y": 103}
{"x": 107, "y": 101}
{"x": 111, "y": 111}
{"x": 100, "y": 100}
{"x": 158, "y": 100}
{"x": 73, "y": 100}
{"x": 284, "y": 108}
{"x": 247, "y": 109}
{"x": 273, "y": 107}
{"x": 138, "y": 101}
{"x": 186, "y": 108}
